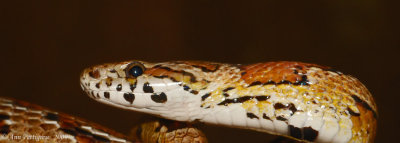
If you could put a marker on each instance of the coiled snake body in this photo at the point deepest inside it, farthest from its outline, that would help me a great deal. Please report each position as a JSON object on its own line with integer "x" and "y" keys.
{"x": 305, "y": 102}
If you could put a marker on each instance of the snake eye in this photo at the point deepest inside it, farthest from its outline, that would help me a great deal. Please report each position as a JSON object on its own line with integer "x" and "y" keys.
{"x": 134, "y": 70}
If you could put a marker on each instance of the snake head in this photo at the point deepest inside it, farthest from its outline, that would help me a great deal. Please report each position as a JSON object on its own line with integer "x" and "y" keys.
{"x": 163, "y": 89}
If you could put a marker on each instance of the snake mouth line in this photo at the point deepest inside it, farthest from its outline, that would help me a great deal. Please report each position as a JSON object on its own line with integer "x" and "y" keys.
{"x": 125, "y": 107}
{"x": 116, "y": 91}
{"x": 107, "y": 95}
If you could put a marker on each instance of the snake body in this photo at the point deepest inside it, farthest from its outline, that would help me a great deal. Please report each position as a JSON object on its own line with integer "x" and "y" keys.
{"x": 302, "y": 101}
{"x": 24, "y": 122}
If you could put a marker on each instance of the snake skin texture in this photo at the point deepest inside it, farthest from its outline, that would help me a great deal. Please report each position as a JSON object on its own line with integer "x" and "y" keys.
{"x": 302, "y": 101}
{"x": 166, "y": 131}
{"x": 24, "y": 122}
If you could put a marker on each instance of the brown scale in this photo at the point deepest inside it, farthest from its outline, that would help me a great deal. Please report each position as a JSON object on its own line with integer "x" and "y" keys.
{"x": 275, "y": 72}
{"x": 163, "y": 72}
{"x": 177, "y": 75}
{"x": 204, "y": 66}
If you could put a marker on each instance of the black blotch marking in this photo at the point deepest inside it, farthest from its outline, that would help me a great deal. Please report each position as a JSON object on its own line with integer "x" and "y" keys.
{"x": 270, "y": 82}
{"x": 295, "y": 132}
{"x": 240, "y": 100}
{"x": 205, "y": 69}
{"x": 82, "y": 131}
{"x": 184, "y": 73}
{"x": 94, "y": 74}
{"x": 113, "y": 71}
{"x": 107, "y": 95}
{"x": 119, "y": 87}
{"x": 129, "y": 97}
{"x": 262, "y": 98}
{"x": 133, "y": 86}
{"x": 205, "y": 96}
{"x": 352, "y": 112}
{"x": 251, "y": 116}
{"x": 227, "y": 89}
{"x": 314, "y": 102}
{"x": 281, "y": 118}
{"x": 160, "y": 98}
{"x": 158, "y": 129}
{"x": 255, "y": 83}
{"x": 161, "y": 76}
{"x": 364, "y": 104}
{"x": 284, "y": 82}
{"x": 52, "y": 116}
{"x": 266, "y": 117}
{"x": 243, "y": 73}
{"x": 4, "y": 117}
{"x": 279, "y": 106}
{"x": 226, "y": 94}
{"x": 147, "y": 88}
{"x": 296, "y": 72}
{"x": 194, "y": 92}
{"x": 97, "y": 85}
{"x": 357, "y": 99}
{"x": 235, "y": 100}
{"x": 185, "y": 87}
{"x": 289, "y": 106}
{"x": 292, "y": 108}
{"x": 303, "y": 81}
{"x": 69, "y": 131}
{"x": 101, "y": 138}
{"x": 309, "y": 134}
{"x": 5, "y": 129}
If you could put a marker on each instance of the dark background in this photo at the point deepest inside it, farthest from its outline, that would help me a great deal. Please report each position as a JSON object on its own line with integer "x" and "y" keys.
{"x": 46, "y": 44}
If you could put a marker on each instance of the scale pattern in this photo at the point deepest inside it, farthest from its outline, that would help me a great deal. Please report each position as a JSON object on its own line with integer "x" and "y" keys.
{"x": 306, "y": 102}
{"x": 166, "y": 131}
{"x": 24, "y": 122}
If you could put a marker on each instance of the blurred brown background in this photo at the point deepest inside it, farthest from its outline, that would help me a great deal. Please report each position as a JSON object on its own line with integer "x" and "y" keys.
{"x": 46, "y": 44}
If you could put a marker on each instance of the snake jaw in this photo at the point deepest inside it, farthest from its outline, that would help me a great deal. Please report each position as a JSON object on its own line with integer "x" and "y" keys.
{"x": 157, "y": 95}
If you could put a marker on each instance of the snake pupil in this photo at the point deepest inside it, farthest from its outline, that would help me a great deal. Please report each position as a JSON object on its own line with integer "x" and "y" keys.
{"x": 136, "y": 71}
